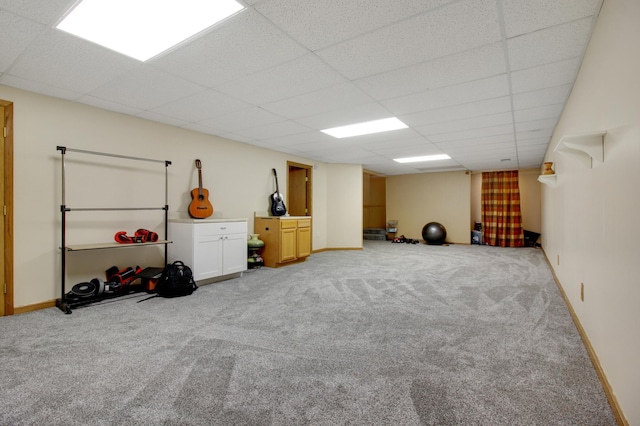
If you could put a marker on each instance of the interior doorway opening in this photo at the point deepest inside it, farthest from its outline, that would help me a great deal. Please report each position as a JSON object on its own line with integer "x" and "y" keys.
{"x": 374, "y": 206}
{"x": 299, "y": 189}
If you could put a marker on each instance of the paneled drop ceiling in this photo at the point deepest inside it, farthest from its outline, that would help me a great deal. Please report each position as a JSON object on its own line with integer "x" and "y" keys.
{"x": 483, "y": 81}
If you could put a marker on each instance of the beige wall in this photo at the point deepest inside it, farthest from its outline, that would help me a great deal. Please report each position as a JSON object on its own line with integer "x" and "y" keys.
{"x": 417, "y": 199}
{"x": 238, "y": 176}
{"x": 530, "y": 200}
{"x": 344, "y": 207}
{"x": 590, "y": 219}
{"x": 476, "y": 198}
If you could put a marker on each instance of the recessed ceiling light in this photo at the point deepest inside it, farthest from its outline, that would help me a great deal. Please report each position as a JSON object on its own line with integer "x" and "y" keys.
{"x": 423, "y": 158}
{"x": 366, "y": 128}
{"x": 144, "y": 28}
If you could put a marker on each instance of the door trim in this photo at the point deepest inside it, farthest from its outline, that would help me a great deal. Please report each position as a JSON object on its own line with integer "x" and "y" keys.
{"x": 309, "y": 190}
{"x": 309, "y": 184}
{"x": 8, "y": 202}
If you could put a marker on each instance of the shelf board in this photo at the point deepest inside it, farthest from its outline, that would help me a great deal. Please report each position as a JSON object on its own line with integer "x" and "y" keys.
{"x": 100, "y": 246}
{"x": 549, "y": 180}
{"x": 585, "y": 147}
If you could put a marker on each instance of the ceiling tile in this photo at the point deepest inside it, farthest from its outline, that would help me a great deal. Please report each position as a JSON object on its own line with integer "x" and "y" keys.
{"x": 67, "y": 62}
{"x": 534, "y": 134}
{"x": 521, "y": 17}
{"x": 200, "y": 106}
{"x": 319, "y": 24}
{"x": 457, "y": 112}
{"x": 46, "y": 12}
{"x": 376, "y": 140}
{"x": 508, "y": 154}
{"x": 467, "y": 124}
{"x": 402, "y": 151}
{"x": 471, "y": 143}
{"x": 532, "y": 149}
{"x": 506, "y": 129}
{"x": 248, "y": 117}
{"x": 538, "y": 113}
{"x": 532, "y": 142}
{"x": 312, "y": 138}
{"x": 137, "y": 88}
{"x": 458, "y": 68}
{"x": 528, "y": 126}
{"x": 318, "y": 102}
{"x": 492, "y": 87}
{"x": 550, "y": 45}
{"x": 542, "y": 97}
{"x": 302, "y": 75}
{"x": 172, "y": 121}
{"x": 37, "y": 87}
{"x": 454, "y": 28}
{"x": 272, "y": 130}
{"x": 545, "y": 76}
{"x": 242, "y": 45}
{"x": 17, "y": 34}
{"x": 111, "y": 106}
{"x": 343, "y": 115}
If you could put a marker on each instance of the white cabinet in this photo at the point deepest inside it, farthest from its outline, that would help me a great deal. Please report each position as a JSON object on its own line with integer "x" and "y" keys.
{"x": 210, "y": 247}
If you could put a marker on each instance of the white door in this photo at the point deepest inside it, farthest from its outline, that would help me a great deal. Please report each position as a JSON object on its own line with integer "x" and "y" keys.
{"x": 235, "y": 253}
{"x": 207, "y": 262}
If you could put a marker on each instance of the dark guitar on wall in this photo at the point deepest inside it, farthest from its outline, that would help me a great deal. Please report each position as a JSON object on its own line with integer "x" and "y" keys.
{"x": 200, "y": 207}
{"x": 277, "y": 202}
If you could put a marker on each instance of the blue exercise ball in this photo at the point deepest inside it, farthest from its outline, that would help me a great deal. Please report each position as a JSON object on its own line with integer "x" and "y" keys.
{"x": 434, "y": 233}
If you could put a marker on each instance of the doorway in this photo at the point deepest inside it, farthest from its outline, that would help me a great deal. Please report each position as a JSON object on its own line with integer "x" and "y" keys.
{"x": 299, "y": 196}
{"x": 374, "y": 203}
{"x": 6, "y": 198}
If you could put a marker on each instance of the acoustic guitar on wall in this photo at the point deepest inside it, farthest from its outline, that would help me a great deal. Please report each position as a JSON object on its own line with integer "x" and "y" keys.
{"x": 200, "y": 207}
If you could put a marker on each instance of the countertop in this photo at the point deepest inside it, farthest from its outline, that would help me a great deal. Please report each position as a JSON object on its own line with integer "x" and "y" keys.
{"x": 208, "y": 220}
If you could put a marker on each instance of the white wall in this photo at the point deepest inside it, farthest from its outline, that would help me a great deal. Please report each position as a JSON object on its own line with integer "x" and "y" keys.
{"x": 237, "y": 175}
{"x": 590, "y": 220}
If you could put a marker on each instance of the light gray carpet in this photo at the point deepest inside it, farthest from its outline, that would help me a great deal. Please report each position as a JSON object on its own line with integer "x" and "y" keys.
{"x": 395, "y": 334}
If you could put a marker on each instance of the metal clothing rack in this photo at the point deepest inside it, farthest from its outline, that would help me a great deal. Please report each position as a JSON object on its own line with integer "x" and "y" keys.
{"x": 63, "y": 303}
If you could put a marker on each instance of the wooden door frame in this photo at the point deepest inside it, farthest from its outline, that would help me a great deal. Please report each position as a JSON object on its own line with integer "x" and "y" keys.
{"x": 309, "y": 183}
{"x": 8, "y": 202}
{"x": 309, "y": 191}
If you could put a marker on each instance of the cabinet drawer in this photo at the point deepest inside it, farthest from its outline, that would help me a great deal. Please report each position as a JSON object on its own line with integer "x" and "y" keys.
{"x": 207, "y": 229}
{"x": 304, "y": 223}
{"x": 286, "y": 224}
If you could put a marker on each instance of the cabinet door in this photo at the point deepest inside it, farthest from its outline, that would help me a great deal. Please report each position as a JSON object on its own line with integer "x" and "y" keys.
{"x": 234, "y": 256}
{"x": 304, "y": 242}
{"x": 207, "y": 257}
{"x": 288, "y": 246}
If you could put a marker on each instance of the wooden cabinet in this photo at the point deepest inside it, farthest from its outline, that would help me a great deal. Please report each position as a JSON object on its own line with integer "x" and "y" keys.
{"x": 210, "y": 247}
{"x": 286, "y": 239}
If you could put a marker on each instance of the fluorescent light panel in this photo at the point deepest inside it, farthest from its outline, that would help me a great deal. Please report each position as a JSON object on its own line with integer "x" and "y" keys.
{"x": 423, "y": 158}
{"x": 143, "y": 29}
{"x": 366, "y": 128}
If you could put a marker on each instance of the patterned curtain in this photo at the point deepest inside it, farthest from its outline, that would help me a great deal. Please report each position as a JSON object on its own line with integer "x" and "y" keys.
{"x": 501, "y": 218}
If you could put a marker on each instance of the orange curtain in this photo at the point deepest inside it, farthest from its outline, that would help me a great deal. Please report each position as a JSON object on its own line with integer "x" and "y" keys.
{"x": 501, "y": 217}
